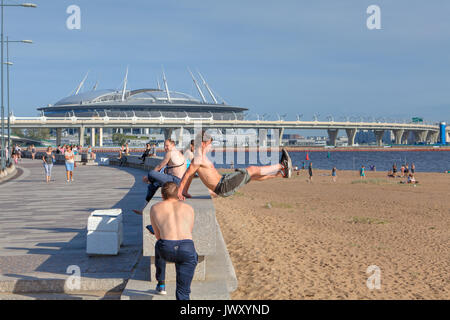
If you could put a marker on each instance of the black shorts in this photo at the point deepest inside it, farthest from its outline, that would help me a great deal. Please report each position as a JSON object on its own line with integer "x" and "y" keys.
{"x": 230, "y": 182}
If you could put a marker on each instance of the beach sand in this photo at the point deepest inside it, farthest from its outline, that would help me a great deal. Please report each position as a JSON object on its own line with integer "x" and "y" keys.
{"x": 290, "y": 239}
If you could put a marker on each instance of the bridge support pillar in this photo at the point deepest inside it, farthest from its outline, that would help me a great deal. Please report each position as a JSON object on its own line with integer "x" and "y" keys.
{"x": 405, "y": 137}
{"x": 58, "y": 136}
{"x": 262, "y": 135}
{"x": 100, "y": 137}
{"x": 147, "y": 131}
{"x": 168, "y": 133}
{"x": 93, "y": 137}
{"x": 432, "y": 137}
{"x": 379, "y": 137}
{"x": 398, "y": 134}
{"x": 351, "y": 134}
{"x": 332, "y": 136}
{"x": 81, "y": 136}
{"x": 281, "y": 136}
{"x": 179, "y": 137}
{"x": 420, "y": 136}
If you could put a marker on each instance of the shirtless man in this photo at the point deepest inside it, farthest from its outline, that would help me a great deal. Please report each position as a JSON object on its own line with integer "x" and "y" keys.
{"x": 225, "y": 185}
{"x": 176, "y": 167}
{"x": 172, "y": 222}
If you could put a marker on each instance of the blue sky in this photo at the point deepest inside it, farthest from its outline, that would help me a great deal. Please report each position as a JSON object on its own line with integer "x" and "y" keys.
{"x": 294, "y": 57}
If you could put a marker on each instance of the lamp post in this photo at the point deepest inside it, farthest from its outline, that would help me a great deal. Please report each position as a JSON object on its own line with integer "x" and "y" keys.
{"x": 2, "y": 5}
{"x": 9, "y": 63}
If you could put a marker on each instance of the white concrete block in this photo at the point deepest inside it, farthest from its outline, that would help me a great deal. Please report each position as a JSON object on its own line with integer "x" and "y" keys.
{"x": 104, "y": 223}
{"x": 108, "y": 212}
{"x": 102, "y": 243}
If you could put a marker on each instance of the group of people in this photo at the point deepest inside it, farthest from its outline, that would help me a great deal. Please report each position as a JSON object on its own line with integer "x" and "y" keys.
{"x": 405, "y": 172}
{"x": 49, "y": 159}
{"x": 173, "y": 220}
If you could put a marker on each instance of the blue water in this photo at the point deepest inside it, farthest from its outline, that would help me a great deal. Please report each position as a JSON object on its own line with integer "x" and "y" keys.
{"x": 425, "y": 161}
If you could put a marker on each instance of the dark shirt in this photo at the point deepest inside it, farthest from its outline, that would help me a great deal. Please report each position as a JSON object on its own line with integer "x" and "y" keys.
{"x": 48, "y": 158}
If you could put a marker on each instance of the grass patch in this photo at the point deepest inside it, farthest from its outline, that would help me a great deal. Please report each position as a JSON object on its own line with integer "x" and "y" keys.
{"x": 281, "y": 205}
{"x": 371, "y": 181}
{"x": 367, "y": 220}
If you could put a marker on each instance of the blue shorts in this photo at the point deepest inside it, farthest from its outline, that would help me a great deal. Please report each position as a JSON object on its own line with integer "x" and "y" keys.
{"x": 48, "y": 169}
{"x": 69, "y": 166}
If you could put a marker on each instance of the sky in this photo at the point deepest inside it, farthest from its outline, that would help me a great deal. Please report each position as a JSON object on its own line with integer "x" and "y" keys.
{"x": 273, "y": 57}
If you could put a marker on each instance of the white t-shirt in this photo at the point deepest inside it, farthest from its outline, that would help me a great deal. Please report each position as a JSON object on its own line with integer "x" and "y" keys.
{"x": 70, "y": 155}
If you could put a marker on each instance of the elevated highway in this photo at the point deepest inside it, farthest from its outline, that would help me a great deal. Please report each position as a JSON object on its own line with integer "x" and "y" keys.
{"x": 426, "y": 133}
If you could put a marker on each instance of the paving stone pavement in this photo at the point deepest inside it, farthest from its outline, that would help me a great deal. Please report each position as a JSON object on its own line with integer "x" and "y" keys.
{"x": 43, "y": 226}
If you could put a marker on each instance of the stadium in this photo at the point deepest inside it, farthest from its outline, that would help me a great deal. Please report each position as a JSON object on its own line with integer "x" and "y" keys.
{"x": 153, "y": 103}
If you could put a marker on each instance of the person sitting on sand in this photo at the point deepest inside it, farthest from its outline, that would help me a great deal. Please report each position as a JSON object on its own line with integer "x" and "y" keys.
{"x": 176, "y": 167}
{"x": 412, "y": 179}
{"x": 227, "y": 184}
{"x": 391, "y": 174}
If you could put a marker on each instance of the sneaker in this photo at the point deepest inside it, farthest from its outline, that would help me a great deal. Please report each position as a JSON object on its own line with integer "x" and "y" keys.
{"x": 286, "y": 164}
{"x": 161, "y": 289}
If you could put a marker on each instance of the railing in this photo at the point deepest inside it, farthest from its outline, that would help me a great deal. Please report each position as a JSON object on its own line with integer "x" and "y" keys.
{"x": 210, "y": 120}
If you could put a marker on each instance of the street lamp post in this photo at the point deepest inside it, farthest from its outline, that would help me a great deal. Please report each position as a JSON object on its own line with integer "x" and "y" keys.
{"x": 9, "y": 63}
{"x": 2, "y": 5}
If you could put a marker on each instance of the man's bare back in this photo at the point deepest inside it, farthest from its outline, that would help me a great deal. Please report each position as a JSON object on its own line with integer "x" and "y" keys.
{"x": 172, "y": 220}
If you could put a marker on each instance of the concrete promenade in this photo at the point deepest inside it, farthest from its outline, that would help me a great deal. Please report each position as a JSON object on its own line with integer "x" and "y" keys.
{"x": 43, "y": 230}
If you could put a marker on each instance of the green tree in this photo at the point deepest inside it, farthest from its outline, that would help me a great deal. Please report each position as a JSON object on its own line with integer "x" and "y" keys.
{"x": 119, "y": 139}
{"x": 38, "y": 133}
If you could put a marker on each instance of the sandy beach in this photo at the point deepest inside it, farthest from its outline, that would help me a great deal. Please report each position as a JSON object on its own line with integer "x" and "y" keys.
{"x": 290, "y": 239}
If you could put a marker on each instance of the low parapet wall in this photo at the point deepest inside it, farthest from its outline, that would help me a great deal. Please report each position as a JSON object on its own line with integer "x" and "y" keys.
{"x": 8, "y": 173}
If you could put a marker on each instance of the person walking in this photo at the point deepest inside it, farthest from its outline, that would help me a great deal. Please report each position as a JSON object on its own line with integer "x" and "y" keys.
{"x": 70, "y": 161}
{"x": 333, "y": 174}
{"x": 310, "y": 172}
{"x": 362, "y": 172}
{"x": 173, "y": 222}
{"x": 33, "y": 151}
{"x": 48, "y": 158}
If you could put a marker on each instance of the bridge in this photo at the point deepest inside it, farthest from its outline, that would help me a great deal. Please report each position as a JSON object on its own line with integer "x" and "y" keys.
{"x": 423, "y": 133}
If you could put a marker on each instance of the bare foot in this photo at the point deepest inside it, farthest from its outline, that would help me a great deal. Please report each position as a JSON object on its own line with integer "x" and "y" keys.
{"x": 137, "y": 211}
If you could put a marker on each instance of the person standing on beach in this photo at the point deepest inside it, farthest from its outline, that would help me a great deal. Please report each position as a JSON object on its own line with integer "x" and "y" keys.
{"x": 394, "y": 169}
{"x": 48, "y": 160}
{"x": 402, "y": 170}
{"x": 176, "y": 167}
{"x": 333, "y": 174}
{"x": 413, "y": 168}
{"x": 406, "y": 170}
{"x": 362, "y": 172}
{"x": 173, "y": 222}
{"x": 70, "y": 161}
{"x": 310, "y": 172}
{"x": 227, "y": 184}
{"x": 33, "y": 151}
